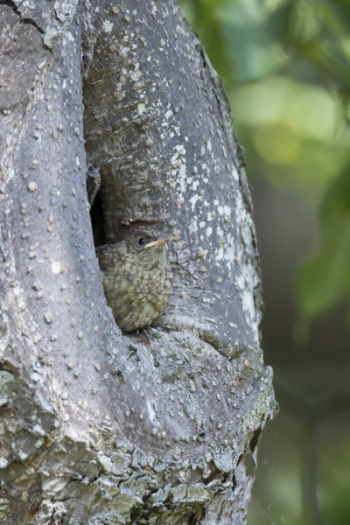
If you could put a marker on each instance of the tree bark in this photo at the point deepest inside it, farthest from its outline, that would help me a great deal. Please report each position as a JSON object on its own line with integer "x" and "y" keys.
{"x": 96, "y": 426}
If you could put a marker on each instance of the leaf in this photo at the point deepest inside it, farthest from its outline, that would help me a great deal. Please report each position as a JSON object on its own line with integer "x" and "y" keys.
{"x": 324, "y": 280}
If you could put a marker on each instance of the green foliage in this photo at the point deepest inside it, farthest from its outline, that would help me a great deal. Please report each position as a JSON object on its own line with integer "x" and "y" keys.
{"x": 242, "y": 37}
{"x": 324, "y": 280}
{"x": 286, "y": 68}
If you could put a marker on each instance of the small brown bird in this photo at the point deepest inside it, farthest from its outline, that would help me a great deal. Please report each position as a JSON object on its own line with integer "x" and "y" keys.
{"x": 137, "y": 279}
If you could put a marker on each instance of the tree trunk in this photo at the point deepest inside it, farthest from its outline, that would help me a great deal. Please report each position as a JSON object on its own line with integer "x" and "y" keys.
{"x": 98, "y": 427}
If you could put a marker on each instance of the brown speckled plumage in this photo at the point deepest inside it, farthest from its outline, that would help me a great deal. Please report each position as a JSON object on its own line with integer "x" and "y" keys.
{"x": 137, "y": 279}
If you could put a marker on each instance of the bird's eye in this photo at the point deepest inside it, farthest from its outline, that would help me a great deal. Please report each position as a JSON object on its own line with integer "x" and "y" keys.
{"x": 141, "y": 241}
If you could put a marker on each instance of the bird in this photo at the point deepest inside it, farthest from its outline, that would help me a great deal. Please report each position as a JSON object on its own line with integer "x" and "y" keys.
{"x": 137, "y": 278}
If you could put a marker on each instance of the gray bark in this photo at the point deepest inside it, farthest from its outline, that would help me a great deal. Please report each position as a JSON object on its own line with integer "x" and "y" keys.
{"x": 98, "y": 427}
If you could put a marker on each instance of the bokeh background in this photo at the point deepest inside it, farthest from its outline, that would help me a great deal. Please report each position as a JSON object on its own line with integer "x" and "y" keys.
{"x": 285, "y": 65}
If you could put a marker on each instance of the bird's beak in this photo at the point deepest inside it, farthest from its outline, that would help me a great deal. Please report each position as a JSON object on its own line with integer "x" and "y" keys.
{"x": 159, "y": 244}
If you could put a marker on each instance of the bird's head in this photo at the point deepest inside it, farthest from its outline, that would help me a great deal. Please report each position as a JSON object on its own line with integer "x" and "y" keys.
{"x": 145, "y": 242}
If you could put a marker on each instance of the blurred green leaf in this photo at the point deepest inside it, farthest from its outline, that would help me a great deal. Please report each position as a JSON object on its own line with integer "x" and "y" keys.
{"x": 253, "y": 32}
{"x": 293, "y": 133}
{"x": 324, "y": 280}
{"x": 243, "y": 38}
{"x": 337, "y": 512}
{"x": 319, "y": 34}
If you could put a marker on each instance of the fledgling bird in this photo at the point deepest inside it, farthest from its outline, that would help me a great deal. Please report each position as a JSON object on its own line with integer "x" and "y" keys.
{"x": 137, "y": 279}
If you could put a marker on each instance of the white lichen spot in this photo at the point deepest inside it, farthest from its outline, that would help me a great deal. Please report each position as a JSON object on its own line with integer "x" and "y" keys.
{"x": 32, "y": 187}
{"x": 150, "y": 410}
{"x": 22, "y": 455}
{"x": 235, "y": 174}
{"x": 195, "y": 198}
{"x": 38, "y": 429}
{"x": 229, "y": 251}
{"x": 240, "y": 282}
{"x": 56, "y": 267}
{"x": 141, "y": 108}
{"x": 3, "y": 465}
{"x": 124, "y": 51}
{"x": 248, "y": 304}
{"x": 168, "y": 114}
{"x": 247, "y": 279}
{"x": 77, "y": 161}
{"x": 135, "y": 75}
{"x": 220, "y": 254}
{"x": 193, "y": 227}
{"x": 178, "y": 161}
{"x": 107, "y": 26}
{"x": 182, "y": 173}
{"x": 209, "y": 231}
{"x": 39, "y": 443}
